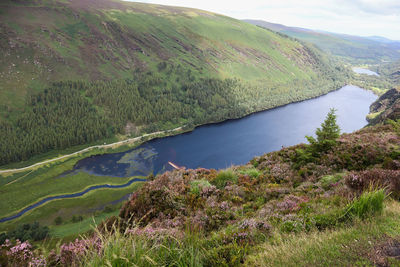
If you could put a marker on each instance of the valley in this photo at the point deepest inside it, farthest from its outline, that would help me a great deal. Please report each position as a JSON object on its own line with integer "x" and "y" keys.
{"x": 153, "y": 135}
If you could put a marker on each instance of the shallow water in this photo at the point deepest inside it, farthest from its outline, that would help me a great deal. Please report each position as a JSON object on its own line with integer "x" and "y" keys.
{"x": 365, "y": 71}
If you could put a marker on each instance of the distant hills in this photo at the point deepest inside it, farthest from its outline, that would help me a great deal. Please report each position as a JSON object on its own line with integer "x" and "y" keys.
{"x": 353, "y": 49}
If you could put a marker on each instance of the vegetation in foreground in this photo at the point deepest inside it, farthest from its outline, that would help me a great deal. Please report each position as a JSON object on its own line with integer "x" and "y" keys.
{"x": 328, "y": 194}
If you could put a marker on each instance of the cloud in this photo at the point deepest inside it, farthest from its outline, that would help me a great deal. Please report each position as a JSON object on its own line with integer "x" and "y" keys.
{"x": 383, "y": 7}
{"x": 356, "y": 17}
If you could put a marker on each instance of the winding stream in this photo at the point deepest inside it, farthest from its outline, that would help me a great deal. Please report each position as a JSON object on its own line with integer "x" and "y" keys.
{"x": 73, "y": 195}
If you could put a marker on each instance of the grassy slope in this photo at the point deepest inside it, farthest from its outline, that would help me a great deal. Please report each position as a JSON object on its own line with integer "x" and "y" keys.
{"x": 354, "y": 49}
{"x": 47, "y": 41}
{"x": 349, "y": 246}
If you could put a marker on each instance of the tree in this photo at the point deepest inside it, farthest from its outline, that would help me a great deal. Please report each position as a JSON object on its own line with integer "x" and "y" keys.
{"x": 58, "y": 220}
{"x": 327, "y": 134}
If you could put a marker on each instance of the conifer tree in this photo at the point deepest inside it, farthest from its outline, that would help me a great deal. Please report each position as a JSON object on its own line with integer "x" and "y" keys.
{"x": 327, "y": 134}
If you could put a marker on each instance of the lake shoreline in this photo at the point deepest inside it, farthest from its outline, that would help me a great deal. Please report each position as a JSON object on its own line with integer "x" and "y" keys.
{"x": 119, "y": 145}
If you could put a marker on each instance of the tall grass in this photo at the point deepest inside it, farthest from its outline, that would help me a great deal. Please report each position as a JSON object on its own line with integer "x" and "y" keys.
{"x": 223, "y": 177}
{"x": 369, "y": 203}
{"x": 124, "y": 249}
{"x": 345, "y": 246}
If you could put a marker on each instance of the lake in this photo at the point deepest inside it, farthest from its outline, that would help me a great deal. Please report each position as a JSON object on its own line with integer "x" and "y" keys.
{"x": 365, "y": 71}
{"x": 221, "y": 145}
{"x": 235, "y": 142}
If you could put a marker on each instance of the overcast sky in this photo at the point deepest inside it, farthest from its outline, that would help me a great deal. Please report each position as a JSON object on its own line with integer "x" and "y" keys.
{"x": 356, "y": 17}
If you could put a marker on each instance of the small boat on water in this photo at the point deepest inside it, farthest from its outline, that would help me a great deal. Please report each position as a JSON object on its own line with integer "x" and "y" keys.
{"x": 175, "y": 166}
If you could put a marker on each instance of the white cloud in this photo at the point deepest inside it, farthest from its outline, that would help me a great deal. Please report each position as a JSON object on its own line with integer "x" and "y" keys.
{"x": 357, "y": 17}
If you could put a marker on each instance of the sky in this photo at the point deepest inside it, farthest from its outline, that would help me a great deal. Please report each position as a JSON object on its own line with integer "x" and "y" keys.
{"x": 355, "y": 17}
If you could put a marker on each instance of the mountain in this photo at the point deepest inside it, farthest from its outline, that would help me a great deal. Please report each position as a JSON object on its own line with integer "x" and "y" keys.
{"x": 381, "y": 39}
{"x": 353, "y": 49}
{"x": 77, "y": 72}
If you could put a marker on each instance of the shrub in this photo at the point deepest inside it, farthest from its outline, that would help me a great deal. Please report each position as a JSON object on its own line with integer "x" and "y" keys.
{"x": 396, "y": 125}
{"x": 328, "y": 180}
{"x": 196, "y": 186}
{"x": 223, "y": 177}
{"x": 58, "y": 220}
{"x": 28, "y": 231}
{"x": 108, "y": 209}
{"x": 390, "y": 179}
{"x": 3, "y": 238}
{"x": 303, "y": 156}
{"x": 253, "y": 172}
{"x": 76, "y": 219}
{"x": 291, "y": 226}
{"x": 231, "y": 254}
{"x": 328, "y": 220}
{"x": 368, "y": 204}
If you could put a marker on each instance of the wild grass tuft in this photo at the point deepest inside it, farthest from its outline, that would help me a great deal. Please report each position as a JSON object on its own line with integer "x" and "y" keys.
{"x": 131, "y": 249}
{"x": 328, "y": 180}
{"x": 223, "y": 177}
{"x": 369, "y": 203}
{"x": 253, "y": 172}
{"x": 197, "y": 185}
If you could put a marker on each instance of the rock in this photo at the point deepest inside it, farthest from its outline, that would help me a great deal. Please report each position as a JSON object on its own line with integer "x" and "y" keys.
{"x": 388, "y": 107}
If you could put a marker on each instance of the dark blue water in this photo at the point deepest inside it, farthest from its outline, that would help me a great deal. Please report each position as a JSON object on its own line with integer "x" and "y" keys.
{"x": 43, "y": 201}
{"x": 236, "y": 141}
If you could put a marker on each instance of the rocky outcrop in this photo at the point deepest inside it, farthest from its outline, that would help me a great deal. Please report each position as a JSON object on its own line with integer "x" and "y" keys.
{"x": 386, "y": 107}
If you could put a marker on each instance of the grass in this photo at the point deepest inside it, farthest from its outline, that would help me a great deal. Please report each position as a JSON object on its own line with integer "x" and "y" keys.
{"x": 44, "y": 183}
{"x": 343, "y": 246}
{"x": 71, "y": 230}
{"x": 223, "y": 177}
{"x": 88, "y": 205}
{"x": 197, "y": 185}
{"x": 372, "y": 116}
{"x": 369, "y": 203}
{"x": 348, "y": 246}
{"x": 121, "y": 250}
{"x": 253, "y": 172}
{"x": 328, "y": 180}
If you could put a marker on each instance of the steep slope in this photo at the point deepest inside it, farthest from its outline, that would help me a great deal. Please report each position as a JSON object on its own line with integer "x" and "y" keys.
{"x": 120, "y": 66}
{"x": 391, "y": 71}
{"x": 386, "y": 107}
{"x": 354, "y": 49}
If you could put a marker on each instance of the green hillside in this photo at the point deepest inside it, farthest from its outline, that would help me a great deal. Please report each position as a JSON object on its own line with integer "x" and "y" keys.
{"x": 76, "y": 72}
{"x": 354, "y": 49}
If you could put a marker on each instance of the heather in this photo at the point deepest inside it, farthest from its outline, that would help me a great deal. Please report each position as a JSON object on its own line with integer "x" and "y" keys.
{"x": 202, "y": 217}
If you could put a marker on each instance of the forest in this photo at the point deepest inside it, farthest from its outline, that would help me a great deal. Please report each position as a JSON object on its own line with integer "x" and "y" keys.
{"x": 71, "y": 113}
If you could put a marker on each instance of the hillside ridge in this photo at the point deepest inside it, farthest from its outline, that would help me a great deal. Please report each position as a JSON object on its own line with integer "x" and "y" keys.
{"x": 79, "y": 72}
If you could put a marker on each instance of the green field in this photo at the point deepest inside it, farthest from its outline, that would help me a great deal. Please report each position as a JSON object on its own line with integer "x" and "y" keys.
{"x": 87, "y": 206}
{"x": 33, "y": 185}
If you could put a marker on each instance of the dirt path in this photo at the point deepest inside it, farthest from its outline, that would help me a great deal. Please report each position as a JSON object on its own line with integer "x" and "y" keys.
{"x": 116, "y": 144}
